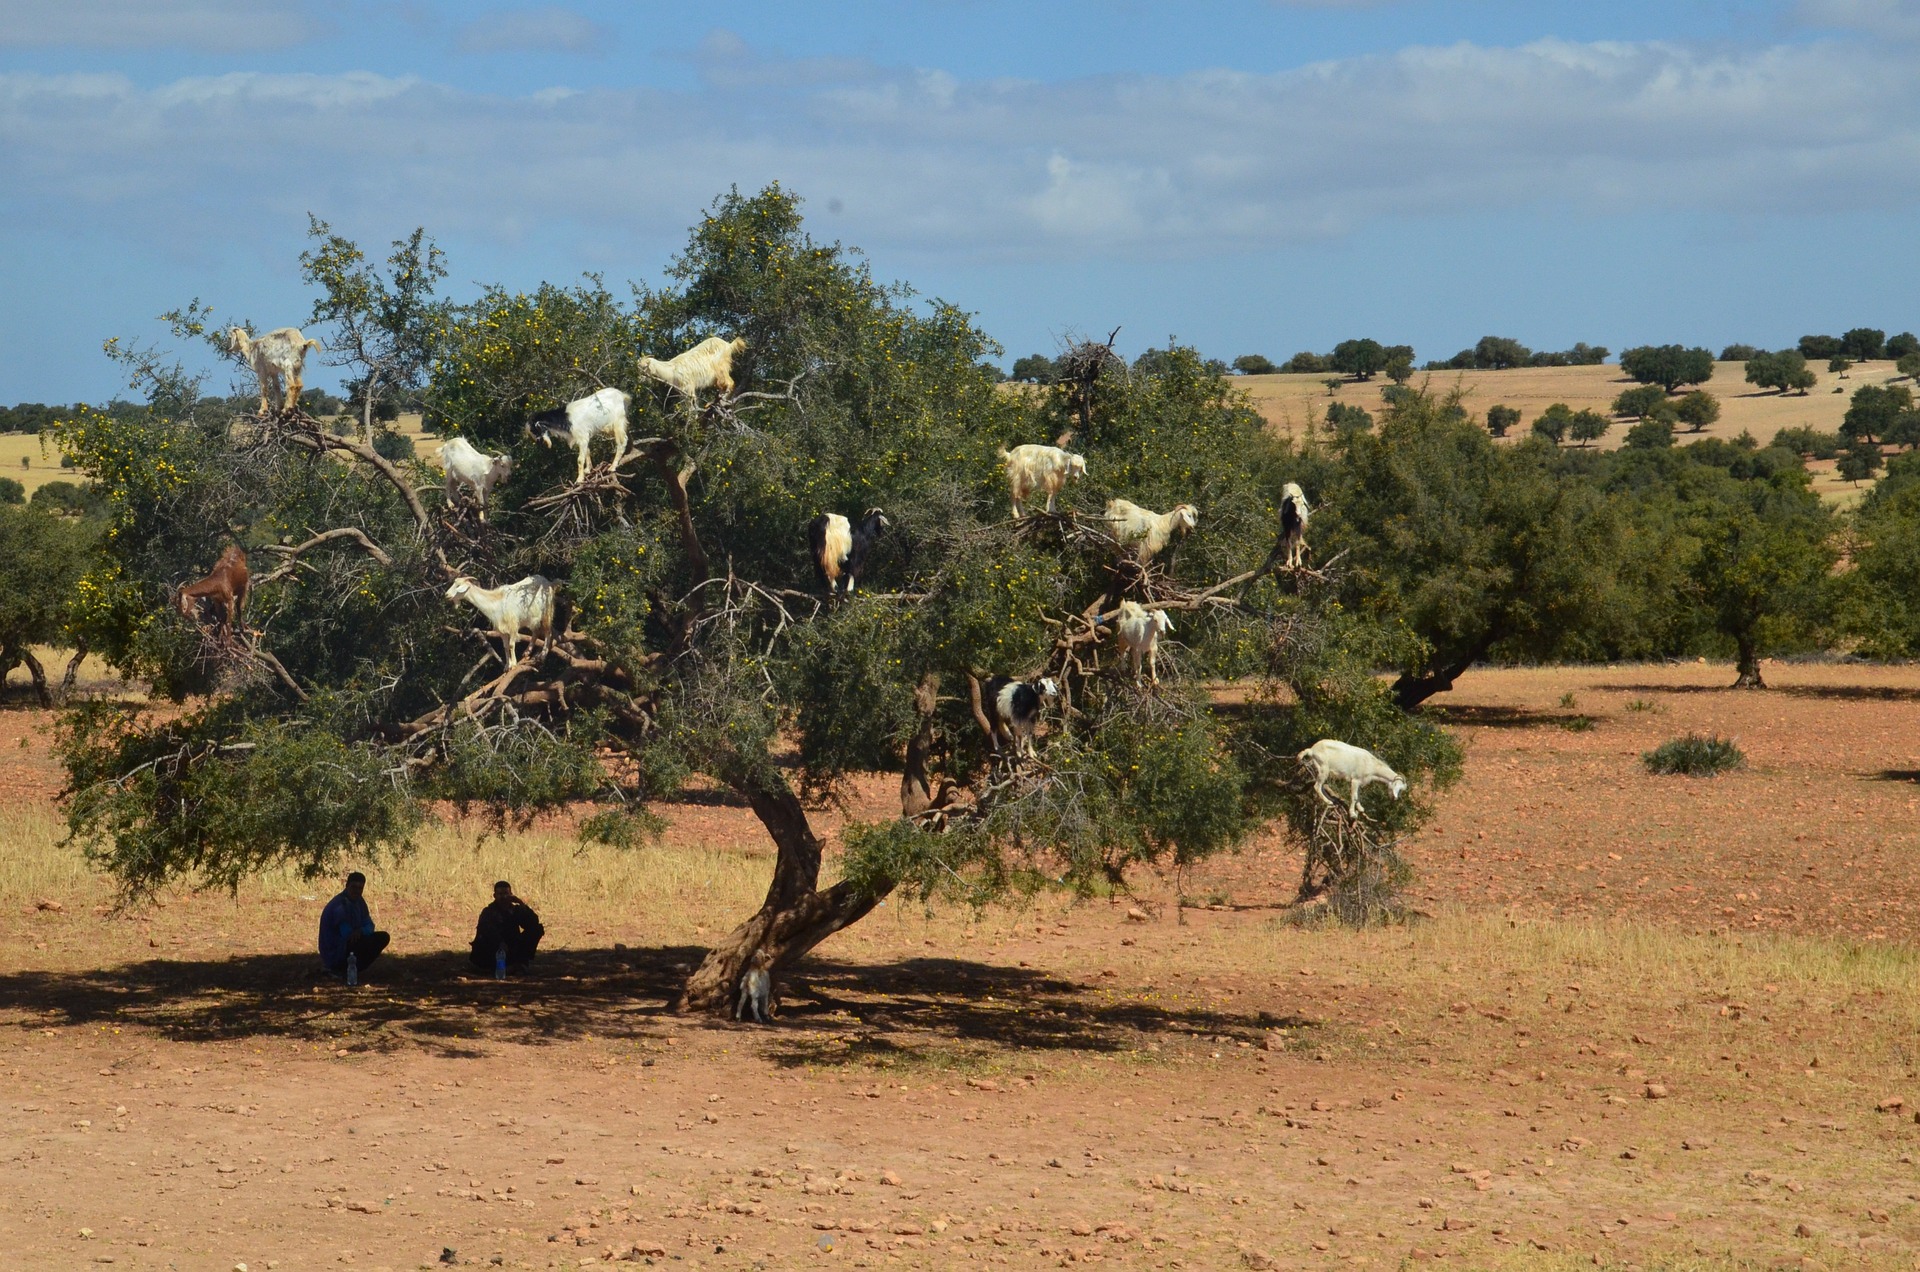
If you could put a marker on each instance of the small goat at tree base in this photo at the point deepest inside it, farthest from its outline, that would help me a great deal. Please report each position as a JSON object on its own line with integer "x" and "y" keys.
{"x": 839, "y": 548}
{"x": 523, "y": 608}
{"x": 1033, "y": 468}
{"x": 1355, "y": 765}
{"x": 583, "y": 419}
{"x": 225, "y": 586}
{"x": 278, "y": 359}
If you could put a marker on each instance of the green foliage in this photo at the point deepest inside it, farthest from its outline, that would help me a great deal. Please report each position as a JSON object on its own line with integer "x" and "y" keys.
{"x": 1880, "y": 596}
{"x": 1305, "y": 363}
{"x": 382, "y": 325}
{"x": 1669, "y": 366}
{"x": 1650, "y": 434}
{"x": 1344, "y": 417}
{"x": 29, "y": 417}
{"x": 1554, "y": 423}
{"x": 42, "y": 560}
{"x": 1909, "y": 364}
{"x": 1738, "y": 353}
{"x": 1360, "y": 358}
{"x": 1786, "y": 371}
{"x": 12, "y": 492}
{"x": 1694, "y": 755}
{"x": 1581, "y": 355}
{"x": 1814, "y": 348}
{"x": 1837, "y": 365}
{"x": 1588, "y": 426}
{"x": 1501, "y": 419}
{"x": 1254, "y": 364}
{"x": 1873, "y": 409}
{"x": 388, "y": 444}
{"x": 1497, "y": 353}
{"x": 68, "y": 499}
{"x": 1810, "y": 442}
{"x": 1901, "y": 346}
{"x": 1035, "y": 368}
{"x": 1641, "y": 402}
{"x": 1859, "y": 462}
{"x": 1864, "y": 344}
{"x": 1697, "y": 409}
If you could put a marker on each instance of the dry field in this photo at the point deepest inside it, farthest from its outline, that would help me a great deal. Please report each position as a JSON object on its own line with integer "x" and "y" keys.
{"x": 1646, "y": 1022}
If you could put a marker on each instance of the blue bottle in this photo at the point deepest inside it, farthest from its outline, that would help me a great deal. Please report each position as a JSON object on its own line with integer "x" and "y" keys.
{"x": 353, "y": 969}
{"x": 500, "y": 962}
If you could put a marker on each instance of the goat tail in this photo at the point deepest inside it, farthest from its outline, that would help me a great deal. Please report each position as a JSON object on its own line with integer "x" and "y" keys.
{"x": 1002, "y": 453}
{"x": 315, "y": 345}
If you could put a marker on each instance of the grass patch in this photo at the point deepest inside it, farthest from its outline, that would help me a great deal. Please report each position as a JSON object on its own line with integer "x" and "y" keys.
{"x": 1694, "y": 755}
{"x": 1646, "y": 705}
{"x": 1578, "y": 724}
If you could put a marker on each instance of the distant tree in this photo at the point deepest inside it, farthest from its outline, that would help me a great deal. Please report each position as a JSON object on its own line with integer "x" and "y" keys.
{"x": 1810, "y": 442}
{"x": 1901, "y": 345}
{"x": 1035, "y": 368}
{"x": 1305, "y": 363}
{"x": 1361, "y": 358}
{"x": 42, "y": 557}
{"x": 1880, "y": 606}
{"x": 1254, "y": 364}
{"x": 12, "y": 492}
{"x": 1859, "y": 462}
{"x": 1873, "y": 409}
{"x": 1904, "y": 430}
{"x": 1786, "y": 371}
{"x": 1737, "y": 353}
{"x": 1669, "y": 366}
{"x": 1640, "y": 401}
{"x": 1814, "y": 348}
{"x": 1586, "y": 355}
{"x": 1333, "y": 384}
{"x": 1909, "y": 365}
{"x": 1588, "y": 426}
{"x": 1554, "y": 422}
{"x": 1501, "y": 418}
{"x": 1650, "y": 434}
{"x": 1344, "y": 417}
{"x": 1497, "y": 353}
{"x": 1697, "y": 409}
{"x": 1838, "y": 365}
{"x": 388, "y": 444}
{"x": 1400, "y": 369}
{"x": 1461, "y": 361}
{"x": 1760, "y": 575}
{"x": 65, "y": 498}
{"x": 1864, "y": 344}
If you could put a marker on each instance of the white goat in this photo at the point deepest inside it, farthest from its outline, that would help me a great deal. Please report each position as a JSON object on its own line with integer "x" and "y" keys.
{"x": 468, "y": 465}
{"x": 1357, "y": 766}
{"x": 1138, "y": 629}
{"x": 707, "y": 364}
{"x": 523, "y": 608}
{"x": 1033, "y": 467}
{"x": 1147, "y": 530}
{"x": 1293, "y": 523}
{"x": 579, "y": 420}
{"x": 278, "y": 359}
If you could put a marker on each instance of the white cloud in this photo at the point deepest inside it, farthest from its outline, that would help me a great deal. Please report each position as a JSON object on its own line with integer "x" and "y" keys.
{"x": 1122, "y": 166}
{"x": 549, "y": 30}
{"x": 206, "y": 25}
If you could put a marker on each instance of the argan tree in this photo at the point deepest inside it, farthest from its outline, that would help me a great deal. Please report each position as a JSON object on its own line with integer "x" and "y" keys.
{"x": 693, "y": 642}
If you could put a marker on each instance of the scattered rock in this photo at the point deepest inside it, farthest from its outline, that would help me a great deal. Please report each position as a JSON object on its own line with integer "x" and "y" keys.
{"x": 1136, "y": 914}
{"x": 1656, "y": 1091}
{"x": 890, "y": 1179}
{"x": 50, "y": 905}
{"x": 1802, "y": 1230}
{"x": 1892, "y": 1104}
{"x": 1273, "y": 1042}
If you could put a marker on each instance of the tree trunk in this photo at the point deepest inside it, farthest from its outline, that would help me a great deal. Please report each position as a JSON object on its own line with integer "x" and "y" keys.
{"x": 1410, "y": 691}
{"x": 72, "y": 673}
{"x": 39, "y": 675}
{"x": 796, "y": 915}
{"x": 1749, "y": 666}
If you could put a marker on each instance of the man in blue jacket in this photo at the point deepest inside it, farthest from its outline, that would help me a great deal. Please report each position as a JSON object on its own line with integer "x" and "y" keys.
{"x": 347, "y": 928}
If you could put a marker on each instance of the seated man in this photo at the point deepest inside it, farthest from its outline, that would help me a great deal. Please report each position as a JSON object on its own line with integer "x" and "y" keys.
{"x": 508, "y": 922}
{"x": 346, "y": 928}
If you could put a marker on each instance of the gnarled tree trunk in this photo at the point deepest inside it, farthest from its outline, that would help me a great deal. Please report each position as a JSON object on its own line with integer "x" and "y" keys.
{"x": 1748, "y": 666}
{"x": 796, "y": 915}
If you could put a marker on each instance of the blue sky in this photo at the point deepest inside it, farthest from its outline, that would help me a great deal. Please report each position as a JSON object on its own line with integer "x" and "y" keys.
{"x": 1251, "y": 177}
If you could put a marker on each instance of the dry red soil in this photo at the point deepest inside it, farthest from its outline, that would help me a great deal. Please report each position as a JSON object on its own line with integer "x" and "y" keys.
{"x": 1066, "y": 1083}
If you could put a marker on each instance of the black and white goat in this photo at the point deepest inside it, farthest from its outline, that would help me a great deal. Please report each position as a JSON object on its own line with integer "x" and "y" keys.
{"x": 839, "y": 548}
{"x": 1293, "y": 523}
{"x": 1013, "y": 709}
{"x": 580, "y": 420}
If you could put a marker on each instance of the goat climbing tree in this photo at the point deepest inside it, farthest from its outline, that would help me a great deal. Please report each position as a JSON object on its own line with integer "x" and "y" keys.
{"x": 693, "y": 640}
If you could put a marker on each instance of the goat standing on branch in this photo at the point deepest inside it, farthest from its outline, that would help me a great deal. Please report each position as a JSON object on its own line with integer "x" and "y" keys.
{"x": 583, "y": 419}
{"x": 1148, "y": 531}
{"x": 225, "y": 586}
{"x": 1358, "y": 767}
{"x": 1013, "y": 709}
{"x": 278, "y": 358}
{"x": 839, "y": 548}
{"x": 708, "y": 364}
{"x": 1138, "y": 630}
{"x": 1293, "y": 524}
{"x": 467, "y": 465}
{"x": 523, "y": 608}
{"x": 1032, "y": 468}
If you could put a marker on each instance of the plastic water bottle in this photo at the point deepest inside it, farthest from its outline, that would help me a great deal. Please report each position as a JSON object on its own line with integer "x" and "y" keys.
{"x": 500, "y": 962}
{"x": 353, "y": 969}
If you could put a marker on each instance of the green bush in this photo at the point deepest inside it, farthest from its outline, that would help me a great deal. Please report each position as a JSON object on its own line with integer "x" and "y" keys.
{"x": 1501, "y": 418}
{"x": 393, "y": 446}
{"x": 12, "y": 492}
{"x": 1695, "y": 755}
{"x": 1811, "y": 442}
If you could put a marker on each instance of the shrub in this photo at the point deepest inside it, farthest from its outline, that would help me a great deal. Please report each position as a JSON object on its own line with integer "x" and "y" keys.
{"x": 1554, "y": 422}
{"x": 1654, "y": 434}
{"x": 1639, "y": 402}
{"x": 1737, "y": 353}
{"x": 1786, "y": 371}
{"x": 1697, "y": 409}
{"x": 1809, "y": 442}
{"x": 1305, "y": 363}
{"x": 1035, "y": 368}
{"x": 1501, "y": 418}
{"x": 1837, "y": 365}
{"x": 1254, "y": 364}
{"x": 1344, "y": 417}
{"x": 392, "y": 446}
{"x": 1668, "y": 366}
{"x": 1909, "y": 365}
{"x": 1814, "y": 348}
{"x": 12, "y": 492}
{"x": 1695, "y": 755}
{"x": 1588, "y": 426}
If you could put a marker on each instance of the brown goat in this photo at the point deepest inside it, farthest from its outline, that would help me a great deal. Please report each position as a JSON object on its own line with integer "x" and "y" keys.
{"x": 226, "y": 585}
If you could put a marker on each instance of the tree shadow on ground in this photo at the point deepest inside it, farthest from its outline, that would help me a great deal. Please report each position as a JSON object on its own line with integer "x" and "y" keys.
{"x": 1633, "y": 688}
{"x": 1503, "y": 717}
{"x": 1893, "y": 775}
{"x": 1852, "y": 693}
{"x": 936, "y": 1010}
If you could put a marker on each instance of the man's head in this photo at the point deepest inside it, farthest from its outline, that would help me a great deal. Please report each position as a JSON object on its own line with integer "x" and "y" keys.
{"x": 503, "y": 891}
{"x": 356, "y": 884}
